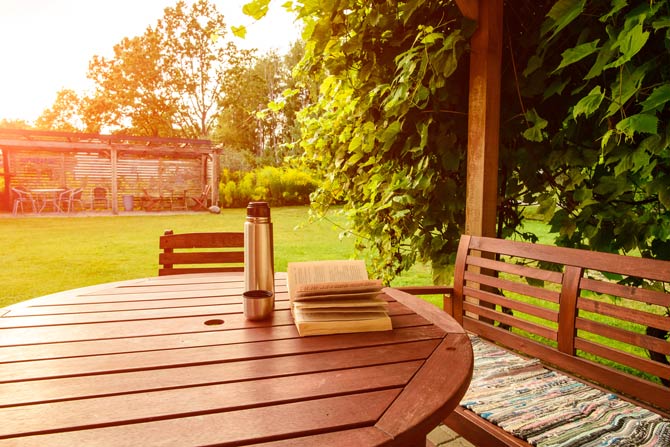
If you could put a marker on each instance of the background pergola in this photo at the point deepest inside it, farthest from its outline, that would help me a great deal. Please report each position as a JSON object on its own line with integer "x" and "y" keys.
{"x": 124, "y": 165}
{"x": 483, "y": 115}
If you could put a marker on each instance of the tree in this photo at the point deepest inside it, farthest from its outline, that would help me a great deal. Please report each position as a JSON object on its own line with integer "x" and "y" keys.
{"x": 14, "y": 124}
{"x": 131, "y": 94}
{"x": 168, "y": 81}
{"x": 64, "y": 114}
{"x": 260, "y": 106}
{"x": 246, "y": 93}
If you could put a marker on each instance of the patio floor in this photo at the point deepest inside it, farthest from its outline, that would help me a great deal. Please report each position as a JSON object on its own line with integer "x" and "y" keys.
{"x": 442, "y": 436}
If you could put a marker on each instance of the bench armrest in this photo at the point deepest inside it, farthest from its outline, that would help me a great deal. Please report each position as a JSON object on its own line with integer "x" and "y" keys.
{"x": 426, "y": 290}
{"x": 445, "y": 291}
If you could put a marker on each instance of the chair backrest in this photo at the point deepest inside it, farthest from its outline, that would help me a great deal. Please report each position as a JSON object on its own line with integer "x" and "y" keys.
{"x": 76, "y": 194}
{"x": 20, "y": 193}
{"x": 201, "y": 253}
{"x": 100, "y": 193}
{"x": 65, "y": 194}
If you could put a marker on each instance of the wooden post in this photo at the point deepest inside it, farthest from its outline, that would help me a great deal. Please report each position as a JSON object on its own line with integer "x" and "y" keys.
{"x": 114, "y": 154}
{"x": 484, "y": 121}
{"x": 216, "y": 169}
{"x": 7, "y": 197}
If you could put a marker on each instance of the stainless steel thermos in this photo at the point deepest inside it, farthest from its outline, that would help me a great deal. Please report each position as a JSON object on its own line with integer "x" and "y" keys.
{"x": 259, "y": 268}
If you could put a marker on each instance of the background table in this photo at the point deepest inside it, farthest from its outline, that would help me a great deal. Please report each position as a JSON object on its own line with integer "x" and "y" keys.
{"x": 45, "y": 196}
{"x": 172, "y": 361}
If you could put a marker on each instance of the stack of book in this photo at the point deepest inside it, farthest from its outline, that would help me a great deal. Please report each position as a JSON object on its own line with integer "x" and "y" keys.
{"x": 334, "y": 297}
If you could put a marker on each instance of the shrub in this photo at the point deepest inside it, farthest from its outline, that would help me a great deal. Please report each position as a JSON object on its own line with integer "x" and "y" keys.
{"x": 278, "y": 186}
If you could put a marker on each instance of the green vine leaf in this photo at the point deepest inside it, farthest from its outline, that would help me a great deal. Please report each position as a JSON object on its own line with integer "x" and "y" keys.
{"x": 563, "y": 13}
{"x": 660, "y": 24}
{"x": 625, "y": 87}
{"x": 536, "y": 132}
{"x": 589, "y": 104}
{"x": 605, "y": 55}
{"x": 617, "y": 5}
{"x": 256, "y": 8}
{"x": 640, "y": 123}
{"x": 239, "y": 31}
{"x": 572, "y": 55}
{"x": 658, "y": 98}
{"x": 629, "y": 42}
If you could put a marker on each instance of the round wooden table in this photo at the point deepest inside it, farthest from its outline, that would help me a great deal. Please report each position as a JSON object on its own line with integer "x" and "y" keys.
{"x": 171, "y": 360}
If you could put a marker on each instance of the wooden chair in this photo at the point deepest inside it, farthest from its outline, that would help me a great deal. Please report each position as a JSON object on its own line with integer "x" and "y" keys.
{"x": 201, "y": 253}
{"x": 202, "y": 201}
{"x": 149, "y": 202}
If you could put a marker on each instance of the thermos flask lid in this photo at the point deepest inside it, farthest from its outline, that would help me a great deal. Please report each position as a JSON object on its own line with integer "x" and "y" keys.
{"x": 258, "y": 209}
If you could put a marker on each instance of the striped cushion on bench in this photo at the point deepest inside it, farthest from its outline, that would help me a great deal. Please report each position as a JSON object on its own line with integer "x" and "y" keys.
{"x": 549, "y": 409}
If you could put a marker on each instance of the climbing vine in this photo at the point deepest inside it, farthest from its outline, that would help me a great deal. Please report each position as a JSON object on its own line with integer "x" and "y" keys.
{"x": 584, "y": 130}
{"x": 600, "y": 116}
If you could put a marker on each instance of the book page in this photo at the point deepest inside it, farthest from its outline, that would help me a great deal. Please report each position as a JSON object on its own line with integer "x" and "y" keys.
{"x": 345, "y": 272}
{"x": 347, "y": 303}
{"x": 307, "y": 317}
{"x": 327, "y": 271}
{"x": 341, "y": 290}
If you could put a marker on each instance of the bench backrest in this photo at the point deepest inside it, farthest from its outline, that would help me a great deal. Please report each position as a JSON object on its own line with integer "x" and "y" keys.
{"x": 573, "y": 309}
{"x": 201, "y": 253}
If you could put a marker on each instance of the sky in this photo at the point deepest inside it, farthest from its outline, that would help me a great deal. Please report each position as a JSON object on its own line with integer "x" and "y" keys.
{"x": 46, "y": 45}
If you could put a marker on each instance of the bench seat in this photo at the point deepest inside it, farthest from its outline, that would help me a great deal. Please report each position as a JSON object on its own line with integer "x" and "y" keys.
{"x": 547, "y": 408}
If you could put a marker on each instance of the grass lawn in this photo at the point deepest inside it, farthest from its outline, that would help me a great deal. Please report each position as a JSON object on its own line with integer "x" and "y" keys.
{"x": 47, "y": 254}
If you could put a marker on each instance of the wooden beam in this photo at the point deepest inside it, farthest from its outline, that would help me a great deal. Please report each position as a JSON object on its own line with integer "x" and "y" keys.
{"x": 484, "y": 120}
{"x": 80, "y": 146}
{"x": 469, "y": 8}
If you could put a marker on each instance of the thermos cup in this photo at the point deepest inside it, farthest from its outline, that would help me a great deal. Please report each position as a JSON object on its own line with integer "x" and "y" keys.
{"x": 259, "y": 268}
{"x": 258, "y": 304}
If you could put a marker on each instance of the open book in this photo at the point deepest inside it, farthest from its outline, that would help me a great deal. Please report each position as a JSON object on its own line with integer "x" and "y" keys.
{"x": 333, "y": 297}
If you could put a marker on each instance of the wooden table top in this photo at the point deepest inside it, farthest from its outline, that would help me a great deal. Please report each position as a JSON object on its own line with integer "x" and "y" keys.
{"x": 171, "y": 360}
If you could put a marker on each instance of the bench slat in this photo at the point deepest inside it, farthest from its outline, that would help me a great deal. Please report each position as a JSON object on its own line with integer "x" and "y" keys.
{"x": 184, "y": 270}
{"x": 520, "y": 288}
{"x": 510, "y": 321}
{"x": 624, "y": 313}
{"x": 624, "y": 336}
{"x": 623, "y": 358}
{"x": 202, "y": 257}
{"x": 632, "y": 293}
{"x": 516, "y": 269}
{"x": 501, "y": 300}
{"x": 202, "y": 240}
{"x": 606, "y": 262}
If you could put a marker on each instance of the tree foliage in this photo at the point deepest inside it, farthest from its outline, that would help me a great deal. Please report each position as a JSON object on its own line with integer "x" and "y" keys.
{"x": 166, "y": 82}
{"x": 260, "y": 107}
{"x": 63, "y": 115}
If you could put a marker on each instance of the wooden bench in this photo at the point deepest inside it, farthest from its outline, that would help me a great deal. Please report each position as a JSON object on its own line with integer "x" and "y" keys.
{"x": 200, "y": 252}
{"x": 599, "y": 317}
